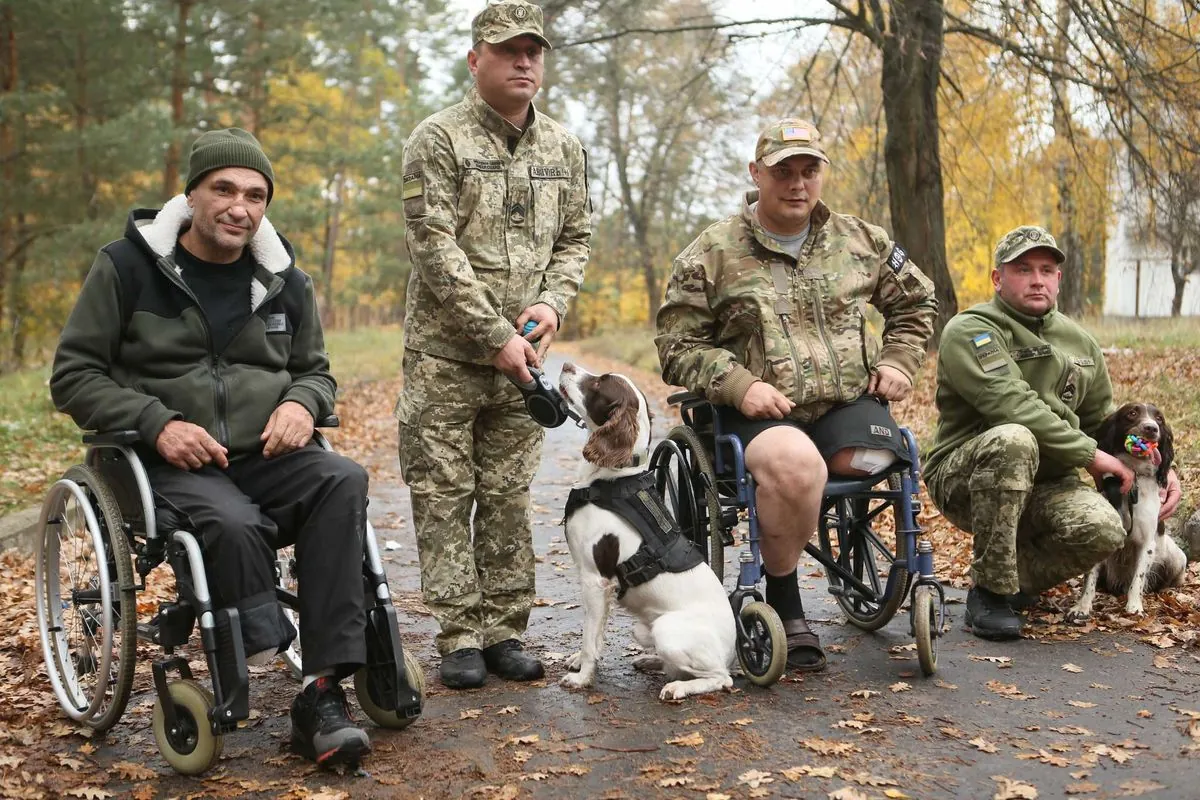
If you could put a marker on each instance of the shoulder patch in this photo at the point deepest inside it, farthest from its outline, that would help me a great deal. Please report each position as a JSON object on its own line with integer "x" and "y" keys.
{"x": 897, "y": 258}
{"x": 413, "y": 183}
{"x": 1085, "y": 361}
{"x": 981, "y": 340}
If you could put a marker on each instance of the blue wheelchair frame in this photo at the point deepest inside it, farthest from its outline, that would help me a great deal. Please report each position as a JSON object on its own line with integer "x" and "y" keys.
{"x": 845, "y": 505}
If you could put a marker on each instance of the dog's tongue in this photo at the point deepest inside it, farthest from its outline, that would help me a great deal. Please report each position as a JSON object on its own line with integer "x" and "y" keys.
{"x": 1155, "y": 457}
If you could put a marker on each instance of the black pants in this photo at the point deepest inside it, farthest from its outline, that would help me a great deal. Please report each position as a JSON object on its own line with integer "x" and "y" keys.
{"x": 312, "y": 498}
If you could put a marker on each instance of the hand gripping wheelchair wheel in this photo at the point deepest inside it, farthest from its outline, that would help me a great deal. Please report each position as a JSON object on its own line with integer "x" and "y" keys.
{"x": 86, "y": 608}
{"x": 924, "y": 627}
{"x": 761, "y": 644}
{"x": 190, "y": 747}
{"x": 688, "y": 485}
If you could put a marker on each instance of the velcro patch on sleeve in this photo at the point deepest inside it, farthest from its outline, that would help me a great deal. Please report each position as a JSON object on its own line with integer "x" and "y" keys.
{"x": 897, "y": 258}
{"x": 413, "y": 183}
{"x": 988, "y": 352}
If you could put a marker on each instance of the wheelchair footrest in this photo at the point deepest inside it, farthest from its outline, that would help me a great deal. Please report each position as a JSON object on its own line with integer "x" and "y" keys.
{"x": 390, "y": 688}
{"x": 230, "y": 678}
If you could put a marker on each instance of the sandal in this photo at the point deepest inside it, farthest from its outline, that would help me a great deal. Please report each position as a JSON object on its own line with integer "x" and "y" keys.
{"x": 804, "y": 648}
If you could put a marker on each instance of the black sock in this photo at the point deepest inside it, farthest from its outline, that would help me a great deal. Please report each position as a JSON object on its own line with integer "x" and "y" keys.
{"x": 783, "y": 595}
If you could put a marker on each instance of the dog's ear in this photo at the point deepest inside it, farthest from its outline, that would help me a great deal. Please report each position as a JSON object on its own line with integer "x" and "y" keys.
{"x": 611, "y": 445}
{"x": 1166, "y": 449}
{"x": 1106, "y": 435}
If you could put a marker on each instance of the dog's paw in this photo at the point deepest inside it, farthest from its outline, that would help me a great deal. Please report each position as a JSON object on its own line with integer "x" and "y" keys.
{"x": 572, "y": 662}
{"x": 675, "y": 690}
{"x": 575, "y": 680}
{"x": 647, "y": 662}
{"x": 1078, "y": 615}
{"x": 1134, "y": 606}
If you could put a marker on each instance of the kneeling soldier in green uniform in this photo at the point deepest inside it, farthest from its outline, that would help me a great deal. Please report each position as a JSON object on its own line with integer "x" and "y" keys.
{"x": 1021, "y": 389}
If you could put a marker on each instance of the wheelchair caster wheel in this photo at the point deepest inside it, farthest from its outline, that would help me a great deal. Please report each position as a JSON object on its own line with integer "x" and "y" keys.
{"x": 192, "y": 747}
{"x": 763, "y": 651}
{"x": 924, "y": 619}
{"x": 381, "y": 716}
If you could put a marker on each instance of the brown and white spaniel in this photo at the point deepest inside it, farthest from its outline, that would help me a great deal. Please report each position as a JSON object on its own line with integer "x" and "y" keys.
{"x": 684, "y": 620}
{"x": 1150, "y": 561}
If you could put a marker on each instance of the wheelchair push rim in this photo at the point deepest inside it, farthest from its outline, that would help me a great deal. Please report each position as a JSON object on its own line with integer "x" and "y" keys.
{"x": 860, "y": 554}
{"x": 694, "y": 502}
{"x": 85, "y": 599}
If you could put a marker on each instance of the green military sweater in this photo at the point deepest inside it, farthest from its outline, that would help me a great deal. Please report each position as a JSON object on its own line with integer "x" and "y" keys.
{"x": 997, "y": 365}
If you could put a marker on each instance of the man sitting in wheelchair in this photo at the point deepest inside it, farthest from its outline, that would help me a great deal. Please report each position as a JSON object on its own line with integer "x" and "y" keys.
{"x": 198, "y": 331}
{"x": 765, "y": 316}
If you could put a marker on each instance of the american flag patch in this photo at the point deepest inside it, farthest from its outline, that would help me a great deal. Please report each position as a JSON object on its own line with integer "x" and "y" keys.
{"x": 796, "y": 135}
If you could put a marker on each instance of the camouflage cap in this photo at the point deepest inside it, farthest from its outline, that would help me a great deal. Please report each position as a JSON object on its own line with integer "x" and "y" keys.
{"x": 1022, "y": 240}
{"x": 787, "y": 138}
{"x": 506, "y": 20}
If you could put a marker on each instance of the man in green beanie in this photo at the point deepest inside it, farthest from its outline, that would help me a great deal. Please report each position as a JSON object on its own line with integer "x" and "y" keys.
{"x": 1021, "y": 393}
{"x": 197, "y": 330}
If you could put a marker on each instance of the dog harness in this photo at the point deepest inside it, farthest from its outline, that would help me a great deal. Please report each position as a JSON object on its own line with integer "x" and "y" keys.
{"x": 635, "y": 499}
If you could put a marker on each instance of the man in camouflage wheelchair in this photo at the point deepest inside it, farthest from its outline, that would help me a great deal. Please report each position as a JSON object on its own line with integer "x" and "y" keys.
{"x": 197, "y": 330}
{"x": 765, "y": 316}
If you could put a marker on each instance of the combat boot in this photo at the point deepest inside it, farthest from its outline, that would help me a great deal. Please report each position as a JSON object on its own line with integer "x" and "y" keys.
{"x": 989, "y": 615}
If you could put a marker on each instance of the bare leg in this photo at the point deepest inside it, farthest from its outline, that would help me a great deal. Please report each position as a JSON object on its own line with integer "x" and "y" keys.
{"x": 790, "y": 475}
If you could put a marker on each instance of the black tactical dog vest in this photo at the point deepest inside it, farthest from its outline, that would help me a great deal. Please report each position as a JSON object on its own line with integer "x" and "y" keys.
{"x": 634, "y": 499}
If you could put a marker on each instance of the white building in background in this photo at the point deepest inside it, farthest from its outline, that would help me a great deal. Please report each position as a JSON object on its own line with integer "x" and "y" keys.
{"x": 1137, "y": 277}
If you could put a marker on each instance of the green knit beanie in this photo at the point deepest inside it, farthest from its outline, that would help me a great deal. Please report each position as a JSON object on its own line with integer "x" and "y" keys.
{"x": 232, "y": 147}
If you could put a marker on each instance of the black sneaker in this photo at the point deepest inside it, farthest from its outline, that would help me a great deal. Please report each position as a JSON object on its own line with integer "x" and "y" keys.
{"x": 990, "y": 617}
{"x": 321, "y": 726}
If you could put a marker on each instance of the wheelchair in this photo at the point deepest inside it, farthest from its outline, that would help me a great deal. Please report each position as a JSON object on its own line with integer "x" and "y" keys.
{"x": 702, "y": 476}
{"x": 99, "y": 525}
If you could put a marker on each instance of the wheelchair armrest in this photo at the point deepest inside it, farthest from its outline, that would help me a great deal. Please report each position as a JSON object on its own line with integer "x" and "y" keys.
{"x": 330, "y": 421}
{"x": 680, "y": 398}
{"x": 111, "y": 437}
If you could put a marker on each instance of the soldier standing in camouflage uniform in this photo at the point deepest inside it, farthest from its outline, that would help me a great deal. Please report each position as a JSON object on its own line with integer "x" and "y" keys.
{"x": 497, "y": 217}
{"x": 1020, "y": 391}
{"x": 765, "y": 315}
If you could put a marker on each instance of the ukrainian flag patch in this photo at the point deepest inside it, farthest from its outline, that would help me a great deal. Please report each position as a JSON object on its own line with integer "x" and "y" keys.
{"x": 982, "y": 340}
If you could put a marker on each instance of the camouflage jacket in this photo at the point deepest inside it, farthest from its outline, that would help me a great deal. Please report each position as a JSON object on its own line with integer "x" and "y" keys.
{"x": 997, "y": 365}
{"x": 489, "y": 232}
{"x": 725, "y": 322}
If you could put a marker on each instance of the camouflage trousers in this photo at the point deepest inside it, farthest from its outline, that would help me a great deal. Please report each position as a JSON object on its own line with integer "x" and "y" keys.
{"x": 1028, "y": 534}
{"x": 468, "y": 452}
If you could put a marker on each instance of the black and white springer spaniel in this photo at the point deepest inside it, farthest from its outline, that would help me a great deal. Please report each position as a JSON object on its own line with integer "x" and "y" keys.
{"x": 684, "y": 620}
{"x": 1150, "y": 561}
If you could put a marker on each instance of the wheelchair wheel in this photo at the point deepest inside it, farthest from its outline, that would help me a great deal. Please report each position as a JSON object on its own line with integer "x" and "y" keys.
{"x": 382, "y": 717}
{"x": 689, "y": 488}
{"x": 192, "y": 747}
{"x": 763, "y": 651}
{"x": 924, "y": 619}
{"x": 86, "y": 609}
{"x": 285, "y": 574}
{"x": 866, "y": 556}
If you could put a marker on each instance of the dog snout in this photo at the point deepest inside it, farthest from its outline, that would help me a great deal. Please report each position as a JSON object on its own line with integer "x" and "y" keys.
{"x": 1148, "y": 430}
{"x": 568, "y": 368}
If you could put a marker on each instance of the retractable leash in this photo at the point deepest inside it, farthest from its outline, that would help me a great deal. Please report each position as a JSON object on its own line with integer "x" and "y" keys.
{"x": 543, "y": 401}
